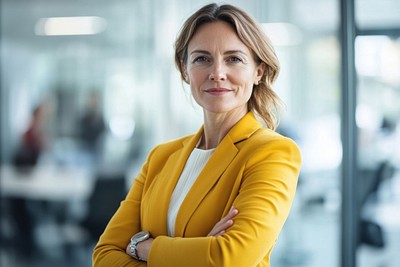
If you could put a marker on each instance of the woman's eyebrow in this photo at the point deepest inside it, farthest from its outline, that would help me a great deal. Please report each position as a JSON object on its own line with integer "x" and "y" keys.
{"x": 229, "y": 52}
{"x": 200, "y": 52}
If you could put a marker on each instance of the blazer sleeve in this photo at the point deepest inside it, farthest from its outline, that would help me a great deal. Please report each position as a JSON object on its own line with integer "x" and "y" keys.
{"x": 110, "y": 249}
{"x": 264, "y": 200}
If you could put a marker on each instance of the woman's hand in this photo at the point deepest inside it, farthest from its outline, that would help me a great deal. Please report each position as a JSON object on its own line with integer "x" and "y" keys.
{"x": 142, "y": 249}
{"x": 226, "y": 222}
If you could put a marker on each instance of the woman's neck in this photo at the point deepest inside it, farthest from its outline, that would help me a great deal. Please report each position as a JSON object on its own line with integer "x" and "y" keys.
{"x": 216, "y": 126}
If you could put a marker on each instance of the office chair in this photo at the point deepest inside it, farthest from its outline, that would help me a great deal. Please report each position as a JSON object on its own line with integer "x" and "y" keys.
{"x": 104, "y": 201}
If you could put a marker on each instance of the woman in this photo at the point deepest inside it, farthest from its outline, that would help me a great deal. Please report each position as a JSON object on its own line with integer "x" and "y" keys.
{"x": 221, "y": 196}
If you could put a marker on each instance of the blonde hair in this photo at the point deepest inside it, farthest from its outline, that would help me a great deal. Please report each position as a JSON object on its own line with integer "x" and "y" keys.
{"x": 264, "y": 101}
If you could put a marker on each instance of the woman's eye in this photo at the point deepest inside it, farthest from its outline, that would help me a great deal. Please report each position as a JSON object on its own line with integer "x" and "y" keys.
{"x": 200, "y": 59}
{"x": 235, "y": 59}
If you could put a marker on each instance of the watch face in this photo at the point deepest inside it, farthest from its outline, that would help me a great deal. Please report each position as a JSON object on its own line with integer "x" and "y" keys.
{"x": 141, "y": 235}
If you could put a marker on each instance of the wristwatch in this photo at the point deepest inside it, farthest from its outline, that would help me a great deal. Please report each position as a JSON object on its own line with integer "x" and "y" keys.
{"x": 136, "y": 239}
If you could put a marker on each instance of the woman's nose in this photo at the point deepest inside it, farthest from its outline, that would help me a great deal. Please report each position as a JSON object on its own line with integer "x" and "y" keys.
{"x": 218, "y": 72}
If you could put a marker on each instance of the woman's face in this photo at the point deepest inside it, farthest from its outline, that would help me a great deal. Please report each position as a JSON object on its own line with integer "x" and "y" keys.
{"x": 221, "y": 69}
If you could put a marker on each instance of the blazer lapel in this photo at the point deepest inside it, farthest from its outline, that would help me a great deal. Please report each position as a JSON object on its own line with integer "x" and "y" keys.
{"x": 162, "y": 190}
{"x": 218, "y": 163}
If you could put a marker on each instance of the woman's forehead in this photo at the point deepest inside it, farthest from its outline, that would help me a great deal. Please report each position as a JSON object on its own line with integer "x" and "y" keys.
{"x": 214, "y": 35}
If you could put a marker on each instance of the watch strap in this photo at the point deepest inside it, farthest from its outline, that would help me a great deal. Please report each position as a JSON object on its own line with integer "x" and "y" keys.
{"x": 135, "y": 240}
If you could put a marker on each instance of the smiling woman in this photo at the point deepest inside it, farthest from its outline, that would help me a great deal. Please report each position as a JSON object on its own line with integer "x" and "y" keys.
{"x": 218, "y": 197}
{"x": 249, "y": 34}
{"x": 221, "y": 71}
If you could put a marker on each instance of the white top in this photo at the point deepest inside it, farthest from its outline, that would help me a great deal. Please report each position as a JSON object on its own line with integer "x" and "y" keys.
{"x": 195, "y": 163}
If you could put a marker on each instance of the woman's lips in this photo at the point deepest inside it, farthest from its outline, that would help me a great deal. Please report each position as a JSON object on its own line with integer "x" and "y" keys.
{"x": 218, "y": 91}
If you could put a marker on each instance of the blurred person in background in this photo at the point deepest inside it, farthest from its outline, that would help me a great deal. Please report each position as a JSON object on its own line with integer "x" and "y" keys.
{"x": 219, "y": 197}
{"x": 32, "y": 144}
{"x": 91, "y": 126}
{"x": 33, "y": 140}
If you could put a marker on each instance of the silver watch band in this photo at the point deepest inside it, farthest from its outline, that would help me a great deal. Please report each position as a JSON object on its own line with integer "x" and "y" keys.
{"x": 135, "y": 240}
{"x": 133, "y": 251}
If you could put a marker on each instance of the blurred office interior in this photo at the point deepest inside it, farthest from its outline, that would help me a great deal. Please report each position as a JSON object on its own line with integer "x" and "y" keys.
{"x": 89, "y": 87}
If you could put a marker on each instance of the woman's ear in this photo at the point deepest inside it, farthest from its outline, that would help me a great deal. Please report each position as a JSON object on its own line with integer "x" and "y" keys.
{"x": 260, "y": 71}
{"x": 184, "y": 73}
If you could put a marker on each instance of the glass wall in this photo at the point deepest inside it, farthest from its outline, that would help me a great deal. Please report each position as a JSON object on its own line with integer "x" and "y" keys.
{"x": 377, "y": 49}
{"x": 102, "y": 97}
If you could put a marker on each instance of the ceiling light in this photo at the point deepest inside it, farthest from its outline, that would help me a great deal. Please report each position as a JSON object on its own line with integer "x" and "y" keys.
{"x": 70, "y": 26}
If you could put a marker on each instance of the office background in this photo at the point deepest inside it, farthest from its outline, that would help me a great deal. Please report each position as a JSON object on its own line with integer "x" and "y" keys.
{"x": 101, "y": 77}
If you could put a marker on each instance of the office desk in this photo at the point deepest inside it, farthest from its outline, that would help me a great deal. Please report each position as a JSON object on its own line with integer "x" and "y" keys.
{"x": 49, "y": 183}
{"x": 40, "y": 205}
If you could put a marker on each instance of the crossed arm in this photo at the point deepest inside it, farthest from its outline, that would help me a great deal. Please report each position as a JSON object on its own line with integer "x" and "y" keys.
{"x": 143, "y": 248}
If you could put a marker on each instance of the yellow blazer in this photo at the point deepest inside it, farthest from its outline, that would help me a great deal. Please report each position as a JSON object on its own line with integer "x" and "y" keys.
{"x": 253, "y": 169}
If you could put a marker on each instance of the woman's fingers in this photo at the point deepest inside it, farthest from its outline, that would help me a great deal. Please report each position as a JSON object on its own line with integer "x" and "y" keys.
{"x": 232, "y": 213}
{"x": 226, "y": 222}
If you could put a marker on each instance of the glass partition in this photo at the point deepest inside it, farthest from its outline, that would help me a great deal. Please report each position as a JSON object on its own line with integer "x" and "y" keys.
{"x": 378, "y": 120}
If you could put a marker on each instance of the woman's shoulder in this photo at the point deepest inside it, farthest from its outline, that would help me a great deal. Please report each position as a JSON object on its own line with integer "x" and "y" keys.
{"x": 268, "y": 144}
{"x": 268, "y": 140}
{"x": 267, "y": 136}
